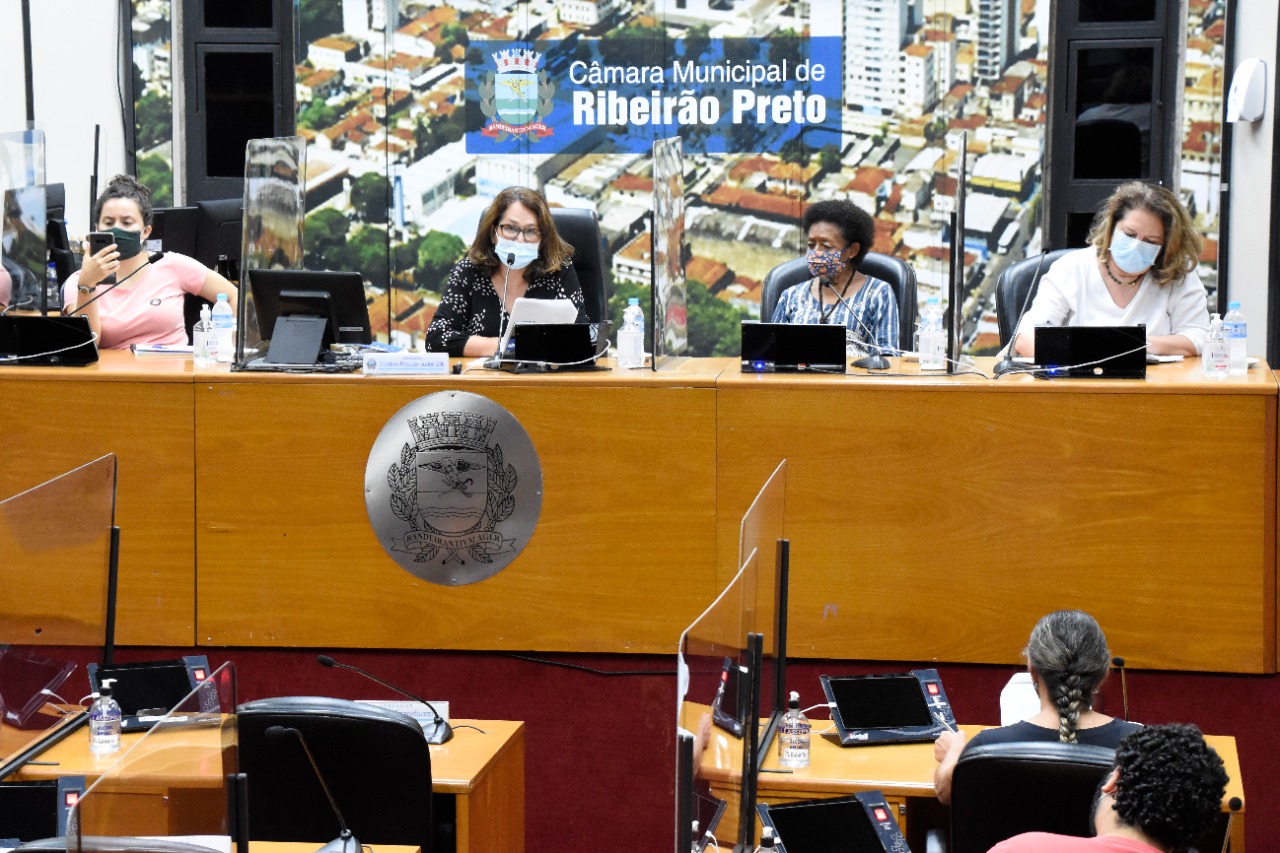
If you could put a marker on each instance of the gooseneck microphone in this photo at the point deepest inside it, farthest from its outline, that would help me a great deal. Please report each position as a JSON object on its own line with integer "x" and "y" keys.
{"x": 1007, "y": 363}
{"x": 345, "y": 842}
{"x": 495, "y": 360}
{"x": 442, "y": 732}
{"x": 154, "y": 257}
{"x": 871, "y": 361}
{"x": 1118, "y": 663}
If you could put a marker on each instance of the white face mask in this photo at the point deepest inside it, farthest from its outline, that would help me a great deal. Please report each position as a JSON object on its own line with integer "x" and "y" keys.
{"x": 1132, "y": 255}
{"x": 515, "y": 254}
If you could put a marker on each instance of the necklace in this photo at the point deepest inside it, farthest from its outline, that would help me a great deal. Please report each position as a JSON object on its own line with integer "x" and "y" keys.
{"x": 1106, "y": 265}
{"x": 827, "y": 312}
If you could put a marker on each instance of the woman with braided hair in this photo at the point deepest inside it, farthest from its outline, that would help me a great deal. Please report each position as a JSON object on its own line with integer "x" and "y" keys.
{"x": 1068, "y": 658}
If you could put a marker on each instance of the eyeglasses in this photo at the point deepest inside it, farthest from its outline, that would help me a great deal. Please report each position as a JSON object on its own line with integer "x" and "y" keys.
{"x": 513, "y": 232}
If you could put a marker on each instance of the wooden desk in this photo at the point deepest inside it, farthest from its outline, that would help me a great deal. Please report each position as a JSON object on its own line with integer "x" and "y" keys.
{"x": 939, "y": 518}
{"x": 174, "y": 785}
{"x": 902, "y": 772}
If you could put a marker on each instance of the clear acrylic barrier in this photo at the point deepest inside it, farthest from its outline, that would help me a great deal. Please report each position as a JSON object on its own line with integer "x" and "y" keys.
{"x": 170, "y": 781}
{"x": 55, "y": 604}
{"x": 274, "y": 205}
{"x": 708, "y": 704}
{"x": 21, "y": 158}
{"x": 764, "y": 593}
{"x": 670, "y": 317}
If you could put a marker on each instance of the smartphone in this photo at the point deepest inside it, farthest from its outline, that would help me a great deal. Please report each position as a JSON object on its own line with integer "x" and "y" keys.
{"x": 99, "y": 240}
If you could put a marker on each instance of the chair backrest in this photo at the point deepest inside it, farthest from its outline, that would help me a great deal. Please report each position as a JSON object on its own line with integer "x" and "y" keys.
{"x": 579, "y": 228}
{"x": 1017, "y": 286}
{"x": 1003, "y": 789}
{"x": 895, "y": 272}
{"x": 375, "y": 761}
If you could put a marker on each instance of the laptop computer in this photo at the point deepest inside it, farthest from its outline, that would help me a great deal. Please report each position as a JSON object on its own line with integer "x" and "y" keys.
{"x": 558, "y": 346}
{"x": 1095, "y": 352}
{"x": 529, "y": 310}
{"x": 863, "y": 823}
{"x": 792, "y": 348}
{"x": 148, "y": 690}
{"x": 897, "y": 708}
{"x": 27, "y": 339}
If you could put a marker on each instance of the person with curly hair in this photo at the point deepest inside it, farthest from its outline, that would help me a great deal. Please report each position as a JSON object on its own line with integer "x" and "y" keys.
{"x": 146, "y": 305}
{"x": 1068, "y": 658}
{"x": 840, "y": 234}
{"x": 1140, "y": 268}
{"x": 1164, "y": 792}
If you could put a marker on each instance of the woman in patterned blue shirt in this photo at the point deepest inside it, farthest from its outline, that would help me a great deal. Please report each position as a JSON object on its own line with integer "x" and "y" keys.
{"x": 840, "y": 235}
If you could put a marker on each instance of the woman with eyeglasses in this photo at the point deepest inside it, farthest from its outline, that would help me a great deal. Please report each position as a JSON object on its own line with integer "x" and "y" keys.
{"x": 1140, "y": 268}
{"x": 516, "y": 253}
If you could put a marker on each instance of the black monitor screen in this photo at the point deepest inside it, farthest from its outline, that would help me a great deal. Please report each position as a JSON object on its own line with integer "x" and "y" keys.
{"x": 28, "y": 810}
{"x": 881, "y": 702}
{"x": 149, "y": 686}
{"x": 825, "y": 826}
{"x": 337, "y": 296}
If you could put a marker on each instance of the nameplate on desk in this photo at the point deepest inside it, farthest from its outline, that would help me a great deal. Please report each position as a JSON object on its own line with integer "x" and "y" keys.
{"x": 421, "y": 713}
{"x": 406, "y": 363}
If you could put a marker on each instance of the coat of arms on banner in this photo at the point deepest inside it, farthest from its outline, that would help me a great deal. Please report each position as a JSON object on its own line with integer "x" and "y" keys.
{"x": 448, "y": 501}
{"x": 517, "y": 96}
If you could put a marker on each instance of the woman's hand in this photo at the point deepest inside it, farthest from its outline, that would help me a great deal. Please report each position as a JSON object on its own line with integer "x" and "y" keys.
{"x": 96, "y": 267}
{"x": 478, "y": 346}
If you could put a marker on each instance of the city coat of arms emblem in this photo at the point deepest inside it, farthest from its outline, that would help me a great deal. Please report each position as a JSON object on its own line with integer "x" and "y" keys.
{"x": 453, "y": 488}
{"x": 517, "y": 96}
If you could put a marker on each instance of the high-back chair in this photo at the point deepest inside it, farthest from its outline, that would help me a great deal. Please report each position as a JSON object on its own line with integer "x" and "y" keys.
{"x": 580, "y": 229}
{"x": 375, "y": 761}
{"x": 1017, "y": 287}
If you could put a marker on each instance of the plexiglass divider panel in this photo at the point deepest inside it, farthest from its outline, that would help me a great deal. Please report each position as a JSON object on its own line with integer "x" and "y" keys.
{"x": 274, "y": 207}
{"x": 55, "y": 610}
{"x": 185, "y": 757}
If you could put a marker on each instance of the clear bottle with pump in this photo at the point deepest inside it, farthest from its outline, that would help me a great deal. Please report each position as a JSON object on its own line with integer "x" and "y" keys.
{"x": 224, "y": 328}
{"x": 1215, "y": 357}
{"x": 1236, "y": 331}
{"x": 104, "y": 721}
{"x": 933, "y": 337}
{"x": 631, "y": 336}
{"x": 768, "y": 841}
{"x": 793, "y": 735}
{"x": 204, "y": 343}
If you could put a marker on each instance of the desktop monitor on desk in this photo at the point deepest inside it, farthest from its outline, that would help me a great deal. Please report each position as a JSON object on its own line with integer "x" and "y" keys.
{"x": 32, "y": 810}
{"x": 338, "y": 298}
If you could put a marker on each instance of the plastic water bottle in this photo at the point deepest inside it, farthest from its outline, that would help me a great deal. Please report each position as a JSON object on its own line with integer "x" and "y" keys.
{"x": 933, "y": 338}
{"x": 1236, "y": 331}
{"x": 1215, "y": 358}
{"x": 793, "y": 735}
{"x": 631, "y": 336}
{"x": 224, "y": 329}
{"x": 104, "y": 721}
{"x": 204, "y": 343}
{"x": 52, "y": 291}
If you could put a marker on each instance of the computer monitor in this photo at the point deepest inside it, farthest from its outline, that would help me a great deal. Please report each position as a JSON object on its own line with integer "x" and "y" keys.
{"x": 338, "y": 297}
{"x": 173, "y": 229}
{"x": 32, "y": 810}
{"x": 219, "y": 230}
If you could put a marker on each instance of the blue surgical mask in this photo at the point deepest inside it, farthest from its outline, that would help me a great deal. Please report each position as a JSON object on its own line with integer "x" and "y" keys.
{"x": 1132, "y": 255}
{"x": 524, "y": 253}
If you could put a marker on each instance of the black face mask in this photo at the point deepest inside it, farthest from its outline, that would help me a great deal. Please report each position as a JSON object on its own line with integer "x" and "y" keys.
{"x": 128, "y": 243}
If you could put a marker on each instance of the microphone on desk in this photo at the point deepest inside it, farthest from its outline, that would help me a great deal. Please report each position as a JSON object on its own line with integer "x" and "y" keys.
{"x": 442, "y": 732}
{"x": 1118, "y": 663}
{"x": 345, "y": 842}
{"x": 870, "y": 361}
{"x": 495, "y": 361}
{"x": 1007, "y": 363}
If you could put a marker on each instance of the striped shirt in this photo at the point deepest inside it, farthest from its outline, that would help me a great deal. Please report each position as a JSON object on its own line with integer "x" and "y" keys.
{"x": 870, "y": 320}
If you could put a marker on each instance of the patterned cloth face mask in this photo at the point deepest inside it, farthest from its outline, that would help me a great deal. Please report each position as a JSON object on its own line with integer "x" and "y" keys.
{"x": 825, "y": 263}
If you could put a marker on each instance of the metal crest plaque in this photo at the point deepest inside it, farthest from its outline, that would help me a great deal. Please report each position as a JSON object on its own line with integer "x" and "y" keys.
{"x": 453, "y": 488}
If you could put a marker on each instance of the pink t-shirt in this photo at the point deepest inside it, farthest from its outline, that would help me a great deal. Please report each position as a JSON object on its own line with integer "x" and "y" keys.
{"x": 147, "y": 309}
{"x": 1043, "y": 842}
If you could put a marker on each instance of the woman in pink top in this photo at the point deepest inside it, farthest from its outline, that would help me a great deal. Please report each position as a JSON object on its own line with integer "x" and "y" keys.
{"x": 146, "y": 307}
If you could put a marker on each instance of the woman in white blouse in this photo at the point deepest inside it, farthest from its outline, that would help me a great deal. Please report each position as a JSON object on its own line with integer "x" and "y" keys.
{"x": 1139, "y": 268}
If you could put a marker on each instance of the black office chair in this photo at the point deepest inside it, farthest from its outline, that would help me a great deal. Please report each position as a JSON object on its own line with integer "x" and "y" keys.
{"x": 1003, "y": 789}
{"x": 1017, "y": 287}
{"x": 897, "y": 273}
{"x": 375, "y": 761}
{"x": 580, "y": 229}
